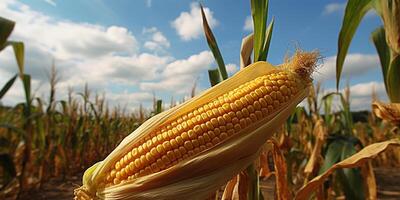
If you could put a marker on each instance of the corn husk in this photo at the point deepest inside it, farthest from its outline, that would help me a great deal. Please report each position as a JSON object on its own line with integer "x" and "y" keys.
{"x": 197, "y": 177}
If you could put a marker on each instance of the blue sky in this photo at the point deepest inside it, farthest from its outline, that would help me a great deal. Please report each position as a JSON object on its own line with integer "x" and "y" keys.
{"x": 130, "y": 50}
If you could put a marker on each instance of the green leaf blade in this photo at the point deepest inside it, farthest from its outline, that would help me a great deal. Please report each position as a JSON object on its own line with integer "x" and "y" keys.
{"x": 378, "y": 37}
{"x": 7, "y": 86}
{"x": 212, "y": 43}
{"x": 7, "y": 26}
{"x": 259, "y": 11}
{"x": 393, "y": 80}
{"x": 354, "y": 13}
{"x": 214, "y": 76}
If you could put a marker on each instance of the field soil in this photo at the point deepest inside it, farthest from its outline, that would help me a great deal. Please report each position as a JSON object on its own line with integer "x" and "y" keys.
{"x": 388, "y": 181}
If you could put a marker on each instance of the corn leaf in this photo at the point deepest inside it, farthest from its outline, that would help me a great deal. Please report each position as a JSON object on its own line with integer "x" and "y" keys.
{"x": 8, "y": 168}
{"x": 389, "y": 112}
{"x": 259, "y": 11}
{"x": 26, "y": 82}
{"x": 229, "y": 189}
{"x": 214, "y": 76}
{"x": 353, "y": 161}
{"x": 354, "y": 13}
{"x": 378, "y": 37}
{"x": 267, "y": 43}
{"x": 368, "y": 175}
{"x": 319, "y": 132}
{"x": 7, "y": 86}
{"x": 282, "y": 189}
{"x": 393, "y": 79}
{"x": 212, "y": 43}
{"x": 6, "y": 27}
{"x": 350, "y": 179}
{"x": 19, "y": 54}
{"x": 245, "y": 51}
{"x": 332, "y": 155}
{"x": 159, "y": 106}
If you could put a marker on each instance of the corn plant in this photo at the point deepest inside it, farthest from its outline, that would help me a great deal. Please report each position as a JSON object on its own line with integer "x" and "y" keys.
{"x": 385, "y": 38}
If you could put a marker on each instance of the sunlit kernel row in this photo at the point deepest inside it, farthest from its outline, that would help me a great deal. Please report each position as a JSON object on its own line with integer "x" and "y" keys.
{"x": 205, "y": 127}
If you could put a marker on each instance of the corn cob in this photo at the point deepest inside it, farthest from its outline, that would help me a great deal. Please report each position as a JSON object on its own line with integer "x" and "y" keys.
{"x": 256, "y": 99}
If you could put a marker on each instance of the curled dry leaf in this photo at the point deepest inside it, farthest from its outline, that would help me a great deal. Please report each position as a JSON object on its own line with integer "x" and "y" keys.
{"x": 367, "y": 172}
{"x": 356, "y": 160}
{"x": 282, "y": 189}
{"x": 387, "y": 111}
{"x": 193, "y": 149}
{"x": 320, "y": 132}
{"x": 229, "y": 188}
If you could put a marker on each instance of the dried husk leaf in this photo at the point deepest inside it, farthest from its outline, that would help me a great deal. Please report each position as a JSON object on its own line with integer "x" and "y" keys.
{"x": 197, "y": 177}
{"x": 356, "y": 160}
{"x": 387, "y": 111}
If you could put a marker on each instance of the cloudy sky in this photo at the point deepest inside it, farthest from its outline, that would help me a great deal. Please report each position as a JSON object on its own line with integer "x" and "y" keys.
{"x": 130, "y": 50}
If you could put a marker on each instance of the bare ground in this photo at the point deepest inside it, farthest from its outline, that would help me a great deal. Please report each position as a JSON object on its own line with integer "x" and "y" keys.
{"x": 388, "y": 181}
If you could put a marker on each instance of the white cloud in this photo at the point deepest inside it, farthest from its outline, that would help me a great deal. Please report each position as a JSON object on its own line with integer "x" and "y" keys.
{"x": 231, "y": 68}
{"x": 360, "y": 95}
{"x": 51, "y": 2}
{"x": 366, "y": 89}
{"x": 334, "y": 8}
{"x": 192, "y": 65}
{"x": 354, "y": 65}
{"x": 104, "y": 57}
{"x": 157, "y": 40}
{"x": 189, "y": 24}
{"x": 65, "y": 39}
{"x": 180, "y": 75}
{"x": 248, "y": 24}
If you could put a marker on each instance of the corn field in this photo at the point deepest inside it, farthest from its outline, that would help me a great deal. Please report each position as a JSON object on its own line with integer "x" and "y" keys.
{"x": 319, "y": 149}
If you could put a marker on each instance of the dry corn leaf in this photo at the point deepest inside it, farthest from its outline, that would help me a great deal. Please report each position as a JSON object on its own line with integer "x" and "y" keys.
{"x": 387, "y": 111}
{"x": 265, "y": 172}
{"x": 228, "y": 191}
{"x": 199, "y": 174}
{"x": 282, "y": 189}
{"x": 245, "y": 51}
{"x": 367, "y": 172}
{"x": 319, "y": 131}
{"x": 242, "y": 186}
{"x": 356, "y": 160}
